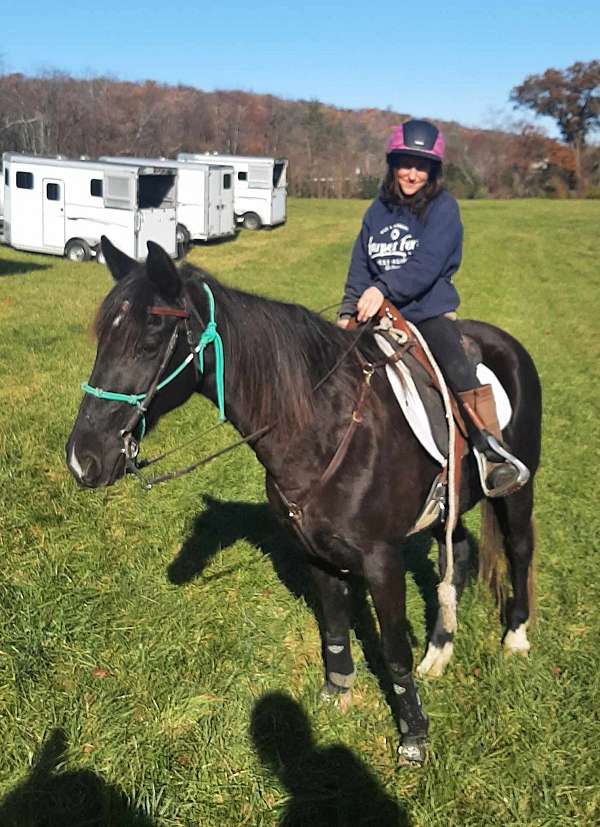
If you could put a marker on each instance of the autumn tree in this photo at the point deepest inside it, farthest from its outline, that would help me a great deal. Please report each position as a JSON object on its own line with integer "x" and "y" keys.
{"x": 571, "y": 97}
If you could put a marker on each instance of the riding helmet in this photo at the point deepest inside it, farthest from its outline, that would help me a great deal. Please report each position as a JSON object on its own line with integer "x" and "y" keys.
{"x": 419, "y": 139}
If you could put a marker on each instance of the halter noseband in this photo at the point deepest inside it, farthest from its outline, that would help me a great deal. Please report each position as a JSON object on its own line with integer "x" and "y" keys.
{"x": 141, "y": 401}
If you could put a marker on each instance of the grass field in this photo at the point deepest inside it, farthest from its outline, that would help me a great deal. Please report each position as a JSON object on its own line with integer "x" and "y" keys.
{"x": 159, "y": 659}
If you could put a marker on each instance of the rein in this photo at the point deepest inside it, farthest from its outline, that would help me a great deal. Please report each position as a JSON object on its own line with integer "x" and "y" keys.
{"x": 148, "y": 484}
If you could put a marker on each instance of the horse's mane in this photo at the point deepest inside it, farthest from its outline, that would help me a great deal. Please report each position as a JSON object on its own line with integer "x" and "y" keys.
{"x": 284, "y": 346}
{"x": 275, "y": 352}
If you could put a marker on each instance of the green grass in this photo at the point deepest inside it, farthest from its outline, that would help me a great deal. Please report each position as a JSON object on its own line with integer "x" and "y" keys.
{"x": 144, "y": 636}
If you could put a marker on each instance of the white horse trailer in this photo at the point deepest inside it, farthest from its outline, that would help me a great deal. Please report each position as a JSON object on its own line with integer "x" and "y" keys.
{"x": 204, "y": 197}
{"x": 63, "y": 207}
{"x": 259, "y": 187}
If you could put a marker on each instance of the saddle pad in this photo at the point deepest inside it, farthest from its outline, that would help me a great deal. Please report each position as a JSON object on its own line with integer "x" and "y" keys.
{"x": 411, "y": 404}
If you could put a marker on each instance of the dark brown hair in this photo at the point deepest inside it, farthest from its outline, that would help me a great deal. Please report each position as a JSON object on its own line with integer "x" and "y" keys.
{"x": 391, "y": 194}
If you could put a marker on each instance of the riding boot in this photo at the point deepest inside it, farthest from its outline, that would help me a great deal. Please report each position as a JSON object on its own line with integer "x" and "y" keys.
{"x": 500, "y": 472}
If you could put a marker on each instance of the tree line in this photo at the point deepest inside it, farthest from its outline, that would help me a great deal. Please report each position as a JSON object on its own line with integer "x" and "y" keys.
{"x": 332, "y": 152}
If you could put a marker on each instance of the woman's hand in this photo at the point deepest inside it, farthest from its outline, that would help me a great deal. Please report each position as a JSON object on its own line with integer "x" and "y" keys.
{"x": 343, "y": 322}
{"x": 369, "y": 303}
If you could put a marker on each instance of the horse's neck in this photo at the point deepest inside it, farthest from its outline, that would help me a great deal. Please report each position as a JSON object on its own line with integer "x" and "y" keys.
{"x": 268, "y": 380}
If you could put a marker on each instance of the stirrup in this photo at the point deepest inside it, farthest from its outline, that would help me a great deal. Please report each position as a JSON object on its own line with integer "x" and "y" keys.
{"x": 485, "y": 466}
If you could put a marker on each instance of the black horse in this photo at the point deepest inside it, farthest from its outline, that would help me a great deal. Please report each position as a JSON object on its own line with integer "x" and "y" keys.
{"x": 351, "y": 521}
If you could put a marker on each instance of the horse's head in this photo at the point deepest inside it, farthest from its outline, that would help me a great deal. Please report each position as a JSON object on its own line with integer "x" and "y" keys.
{"x": 141, "y": 330}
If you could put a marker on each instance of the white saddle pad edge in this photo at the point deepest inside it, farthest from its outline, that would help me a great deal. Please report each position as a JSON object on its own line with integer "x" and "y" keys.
{"x": 503, "y": 407}
{"x": 411, "y": 404}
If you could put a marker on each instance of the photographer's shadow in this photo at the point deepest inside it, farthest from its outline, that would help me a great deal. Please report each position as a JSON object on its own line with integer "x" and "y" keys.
{"x": 53, "y": 797}
{"x": 326, "y": 786}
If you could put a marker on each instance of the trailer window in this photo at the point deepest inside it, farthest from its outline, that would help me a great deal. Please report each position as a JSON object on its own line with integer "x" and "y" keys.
{"x": 118, "y": 190}
{"x": 242, "y": 176}
{"x": 278, "y": 168}
{"x": 227, "y": 181}
{"x": 25, "y": 180}
{"x": 259, "y": 176}
{"x": 6, "y": 176}
{"x": 156, "y": 191}
{"x": 96, "y": 187}
{"x": 53, "y": 192}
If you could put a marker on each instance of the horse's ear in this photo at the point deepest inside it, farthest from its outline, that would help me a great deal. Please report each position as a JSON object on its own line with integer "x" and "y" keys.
{"x": 162, "y": 272}
{"x": 118, "y": 262}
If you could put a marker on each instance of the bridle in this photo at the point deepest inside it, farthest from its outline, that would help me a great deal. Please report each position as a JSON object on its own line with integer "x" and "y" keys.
{"x": 134, "y": 430}
{"x": 210, "y": 335}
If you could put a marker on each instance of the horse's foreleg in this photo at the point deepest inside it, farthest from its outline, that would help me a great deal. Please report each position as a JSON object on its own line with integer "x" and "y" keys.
{"x": 441, "y": 642}
{"x": 514, "y": 516}
{"x": 334, "y": 593}
{"x": 385, "y": 574}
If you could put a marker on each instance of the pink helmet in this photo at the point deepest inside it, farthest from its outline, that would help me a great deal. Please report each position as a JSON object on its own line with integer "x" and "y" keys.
{"x": 420, "y": 139}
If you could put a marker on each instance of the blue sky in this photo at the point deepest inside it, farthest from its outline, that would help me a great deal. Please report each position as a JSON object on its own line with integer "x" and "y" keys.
{"x": 455, "y": 60}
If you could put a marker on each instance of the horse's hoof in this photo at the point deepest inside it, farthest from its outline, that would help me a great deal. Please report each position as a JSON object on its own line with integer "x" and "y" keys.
{"x": 412, "y": 752}
{"x": 435, "y": 660}
{"x": 331, "y": 691}
{"x": 338, "y": 695}
{"x": 516, "y": 643}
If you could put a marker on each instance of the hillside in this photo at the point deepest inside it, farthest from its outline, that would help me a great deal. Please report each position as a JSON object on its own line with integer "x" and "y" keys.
{"x": 332, "y": 152}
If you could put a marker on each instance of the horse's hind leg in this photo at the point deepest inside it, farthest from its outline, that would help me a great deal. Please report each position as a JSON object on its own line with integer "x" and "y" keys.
{"x": 337, "y": 655}
{"x": 441, "y": 642}
{"x": 514, "y": 515}
{"x": 385, "y": 574}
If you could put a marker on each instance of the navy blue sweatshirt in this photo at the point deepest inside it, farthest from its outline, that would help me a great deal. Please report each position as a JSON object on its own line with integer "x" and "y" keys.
{"x": 411, "y": 262}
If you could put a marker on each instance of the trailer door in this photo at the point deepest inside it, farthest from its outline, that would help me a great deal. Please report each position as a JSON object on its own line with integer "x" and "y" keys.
{"x": 214, "y": 203}
{"x": 53, "y": 213}
{"x": 227, "y": 217}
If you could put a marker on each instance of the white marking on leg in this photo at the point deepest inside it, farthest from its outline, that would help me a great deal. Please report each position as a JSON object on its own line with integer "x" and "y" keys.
{"x": 516, "y": 643}
{"x": 74, "y": 463}
{"x": 435, "y": 660}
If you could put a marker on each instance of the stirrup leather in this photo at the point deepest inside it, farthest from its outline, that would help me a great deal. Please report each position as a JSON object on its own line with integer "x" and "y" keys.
{"x": 485, "y": 466}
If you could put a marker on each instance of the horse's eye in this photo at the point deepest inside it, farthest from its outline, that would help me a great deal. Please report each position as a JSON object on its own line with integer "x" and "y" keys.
{"x": 154, "y": 322}
{"x": 151, "y": 344}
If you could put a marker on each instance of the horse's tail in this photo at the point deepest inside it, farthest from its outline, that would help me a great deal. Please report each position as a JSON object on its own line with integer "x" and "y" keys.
{"x": 493, "y": 566}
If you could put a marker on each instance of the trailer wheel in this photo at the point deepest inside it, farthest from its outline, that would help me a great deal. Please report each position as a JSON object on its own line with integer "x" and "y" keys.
{"x": 78, "y": 250}
{"x": 252, "y": 221}
{"x": 183, "y": 238}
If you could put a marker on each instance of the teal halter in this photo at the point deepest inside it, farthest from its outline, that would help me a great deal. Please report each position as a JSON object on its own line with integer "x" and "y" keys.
{"x": 209, "y": 336}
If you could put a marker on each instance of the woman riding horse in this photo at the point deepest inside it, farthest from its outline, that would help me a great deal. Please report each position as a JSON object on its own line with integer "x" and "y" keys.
{"x": 408, "y": 251}
{"x": 352, "y": 486}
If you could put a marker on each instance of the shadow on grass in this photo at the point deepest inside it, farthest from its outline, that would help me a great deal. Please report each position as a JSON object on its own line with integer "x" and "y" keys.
{"x": 19, "y": 268}
{"x": 53, "y": 797}
{"x": 328, "y": 786}
{"x": 222, "y": 523}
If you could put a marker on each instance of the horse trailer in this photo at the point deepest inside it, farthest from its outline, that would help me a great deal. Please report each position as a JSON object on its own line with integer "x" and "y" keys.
{"x": 259, "y": 187}
{"x": 63, "y": 207}
{"x": 204, "y": 197}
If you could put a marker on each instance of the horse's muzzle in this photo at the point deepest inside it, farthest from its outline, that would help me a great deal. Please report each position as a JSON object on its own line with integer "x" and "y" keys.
{"x": 91, "y": 466}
